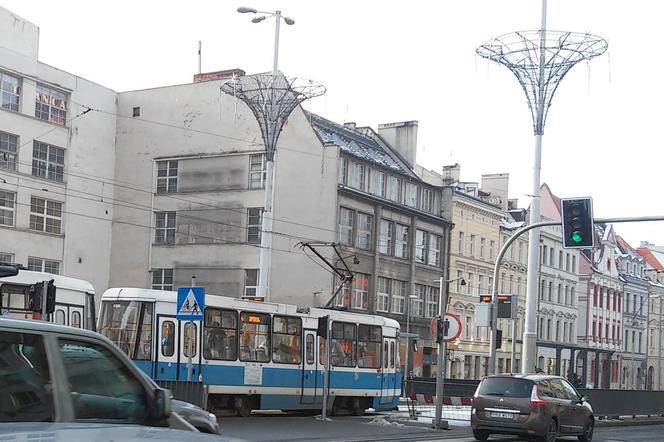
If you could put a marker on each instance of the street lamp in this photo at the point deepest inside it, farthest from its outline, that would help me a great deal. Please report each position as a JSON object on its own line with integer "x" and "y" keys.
{"x": 259, "y": 18}
{"x": 266, "y": 222}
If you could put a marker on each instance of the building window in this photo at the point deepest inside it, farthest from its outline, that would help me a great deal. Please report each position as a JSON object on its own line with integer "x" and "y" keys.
{"x": 462, "y": 244}
{"x": 7, "y": 203}
{"x": 386, "y": 238}
{"x": 472, "y": 245}
{"x": 165, "y": 228}
{"x": 551, "y": 255}
{"x": 360, "y": 291}
{"x": 543, "y": 257}
{"x": 167, "y": 176}
{"x": 8, "y": 151}
{"x": 136, "y": 111}
{"x": 411, "y": 195}
{"x": 421, "y": 246}
{"x": 418, "y": 302}
{"x": 567, "y": 262}
{"x": 357, "y": 173}
{"x": 7, "y": 257}
{"x": 573, "y": 270}
{"x": 482, "y": 247}
{"x": 435, "y": 244}
{"x": 45, "y": 215}
{"x": 427, "y": 200}
{"x": 43, "y": 265}
{"x": 394, "y": 188}
{"x": 401, "y": 245}
{"x": 364, "y": 229}
{"x": 254, "y": 220}
{"x": 51, "y": 105}
{"x": 346, "y": 226}
{"x": 492, "y": 247}
{"x": 343, "y": 170}
{"x": 162, "y": 279}
{"x": 383, "y": 295}
{"x": 251, "y": 282}
{"x": 9, "y": 91}
{"x": 560, "y": 259}
{"x": 257, "y": 171}
{"x": 520, "y": 251}
{"x": 432, "y": 301}
{"x": 48, "y": 161}
{"x": 398, "y": 296}
{"x": 458, "y": 278}
{"x": 377, "y": 183}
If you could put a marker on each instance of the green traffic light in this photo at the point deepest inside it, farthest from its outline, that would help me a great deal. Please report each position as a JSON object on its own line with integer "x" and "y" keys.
{"x": 576, "y": 237}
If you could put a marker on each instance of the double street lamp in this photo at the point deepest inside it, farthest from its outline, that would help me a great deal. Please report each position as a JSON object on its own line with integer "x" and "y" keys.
{"x": 259, "y": 18}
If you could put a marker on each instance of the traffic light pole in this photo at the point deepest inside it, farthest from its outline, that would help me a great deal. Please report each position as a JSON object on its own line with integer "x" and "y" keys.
{"x": 525, "y": 368}
{"x": 43, "y": 299}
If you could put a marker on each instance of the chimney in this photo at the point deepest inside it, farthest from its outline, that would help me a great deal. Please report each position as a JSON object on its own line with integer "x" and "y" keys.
{"x": 497, "y": 184}
{"x": 401, "y": 137}
{"x": 350, "y": 125}
{"x": 218, "y": 75}
{"x": 451, "y": 174}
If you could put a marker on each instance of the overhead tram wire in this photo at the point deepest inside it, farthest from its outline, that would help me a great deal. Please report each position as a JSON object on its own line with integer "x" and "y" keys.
{"x": 134, "y": 187}
{"x": 148, "y": 209}
{"x": 216, "y": 240}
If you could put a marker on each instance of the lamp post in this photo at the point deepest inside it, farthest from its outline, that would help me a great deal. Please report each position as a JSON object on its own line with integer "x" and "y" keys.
{"x": 443, "y": 299}
{"x": 266, "y": 218}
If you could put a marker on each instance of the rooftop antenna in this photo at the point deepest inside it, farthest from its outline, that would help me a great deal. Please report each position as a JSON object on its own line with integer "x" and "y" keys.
{"x": 200, "y": 55}
{"x": 539, "y": 59}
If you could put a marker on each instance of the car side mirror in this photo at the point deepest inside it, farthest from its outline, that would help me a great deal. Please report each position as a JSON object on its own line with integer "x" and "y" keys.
{"x": 8, "y": 270}
{"x": 162, "y": 403}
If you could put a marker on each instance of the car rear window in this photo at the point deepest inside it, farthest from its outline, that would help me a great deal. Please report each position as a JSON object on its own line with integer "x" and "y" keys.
{"x": 507, "y": 387}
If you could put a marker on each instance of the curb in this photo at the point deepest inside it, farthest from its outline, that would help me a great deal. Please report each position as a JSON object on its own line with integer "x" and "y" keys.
{"x": 628, "y": 423}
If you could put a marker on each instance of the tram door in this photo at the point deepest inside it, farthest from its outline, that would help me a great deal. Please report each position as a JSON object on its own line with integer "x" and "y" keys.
{"x": 166, "y": 360}
{"x": 189, "y": 345}
{"x": 389, "y": 371}
{"x": 310, "y": 368}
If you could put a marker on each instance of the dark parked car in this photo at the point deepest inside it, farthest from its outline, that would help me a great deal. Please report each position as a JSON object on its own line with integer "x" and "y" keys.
{"x": 538, "y": 406}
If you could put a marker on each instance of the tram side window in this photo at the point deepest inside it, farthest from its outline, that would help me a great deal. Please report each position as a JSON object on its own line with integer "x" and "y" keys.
{"x": 392, "y": 354}
{"x": 344, "y": 344}
{"x": 385, "y": 356}
{"x": 167, "y": 338}
{"x": 321, "y": 350}
{"x": 286, "y": 339}
{"x": 254, "y": 337}
{"x": 310, "y": 349}
{"x": 144, "y": 349}
{"x": 189, "y": 347}
{"x": 368, "y": 346}
{"x": 76, "y": 319}
{"x": 220, "y": 335}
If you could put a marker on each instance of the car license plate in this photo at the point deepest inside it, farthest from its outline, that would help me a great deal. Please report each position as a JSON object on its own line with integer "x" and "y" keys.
{"x": 502, "y": 415}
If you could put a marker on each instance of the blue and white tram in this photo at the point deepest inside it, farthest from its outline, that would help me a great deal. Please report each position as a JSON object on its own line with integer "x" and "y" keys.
{"x": 255, "y": 355}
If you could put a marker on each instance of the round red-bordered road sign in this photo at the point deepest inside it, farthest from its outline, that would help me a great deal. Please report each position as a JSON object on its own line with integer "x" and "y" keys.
{"x": 454, "y": 329}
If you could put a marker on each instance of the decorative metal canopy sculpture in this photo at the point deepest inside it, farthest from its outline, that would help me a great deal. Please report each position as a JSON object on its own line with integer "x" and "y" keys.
{"x": 271, "y": 98}
{"x": 540, "y": 60}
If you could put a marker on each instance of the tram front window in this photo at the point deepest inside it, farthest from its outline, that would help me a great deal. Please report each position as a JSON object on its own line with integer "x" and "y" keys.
{"x": 119, "y": 322}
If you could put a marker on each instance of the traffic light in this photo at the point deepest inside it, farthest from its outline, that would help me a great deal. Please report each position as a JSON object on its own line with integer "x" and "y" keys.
{"x": 50, "y": 297}
{"x": 35, "y": 300}
{"x": 577, "y": 220}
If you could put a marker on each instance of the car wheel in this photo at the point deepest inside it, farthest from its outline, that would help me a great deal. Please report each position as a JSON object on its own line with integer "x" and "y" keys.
{"x": 551, "y": 432}
{"x": 587, "y": 435}
{"x": 480, "y": 434}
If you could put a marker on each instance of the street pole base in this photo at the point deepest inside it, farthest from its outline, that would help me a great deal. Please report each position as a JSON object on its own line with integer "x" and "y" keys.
{"x": 443, "y": 425}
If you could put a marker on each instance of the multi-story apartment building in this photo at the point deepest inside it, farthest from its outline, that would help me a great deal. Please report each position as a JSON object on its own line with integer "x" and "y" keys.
{"x": 636, "y": 309}
{"x": 56, "y": 162}
{"x": 477, "y": 215}
{"x": 601, "y": 325}
{"x": 390, "y": 219}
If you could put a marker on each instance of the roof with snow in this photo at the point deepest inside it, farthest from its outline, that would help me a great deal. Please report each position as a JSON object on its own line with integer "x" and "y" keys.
{"x": 650, "y": 257}
{"x": 362, "y": 143}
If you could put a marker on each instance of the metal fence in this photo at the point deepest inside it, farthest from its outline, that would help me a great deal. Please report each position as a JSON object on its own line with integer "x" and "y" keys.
{"x": 192, "y": 392}
{"x": 458, "y": 392}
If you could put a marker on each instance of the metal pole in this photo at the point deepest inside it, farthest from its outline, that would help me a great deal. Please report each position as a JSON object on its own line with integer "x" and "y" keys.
{"x": 514, "y": 343}
{"x": 43, "y": 300}
{"x": 200, "y": 55}
{"x": 266, "y": 220}
{"x": 529, "y": 346}
{"x": 408, "y": 300}
{"x": 326, "y": 369}
{"x": 659, "y": 346}
{"x": 494, "y": 303}
{"x": 191, "y": 340}
{"x": 442, "y": 348}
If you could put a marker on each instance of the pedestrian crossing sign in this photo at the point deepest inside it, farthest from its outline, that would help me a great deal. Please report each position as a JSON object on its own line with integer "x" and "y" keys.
{"x": 191, "y": 303}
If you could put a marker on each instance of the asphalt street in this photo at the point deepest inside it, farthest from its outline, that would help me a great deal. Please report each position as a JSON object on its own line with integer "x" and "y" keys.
{"x": 296, "y": 428}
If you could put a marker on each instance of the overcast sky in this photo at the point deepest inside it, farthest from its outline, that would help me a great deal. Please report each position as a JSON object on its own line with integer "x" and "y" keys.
{"x": 387, "y": 61}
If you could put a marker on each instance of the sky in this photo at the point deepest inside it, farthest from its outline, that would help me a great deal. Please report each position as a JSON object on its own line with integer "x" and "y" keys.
{"x": 388, "y": 61}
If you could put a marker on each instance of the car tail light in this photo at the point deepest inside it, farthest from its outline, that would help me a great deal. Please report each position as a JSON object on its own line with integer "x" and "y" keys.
{"x": 535, "y": 399}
